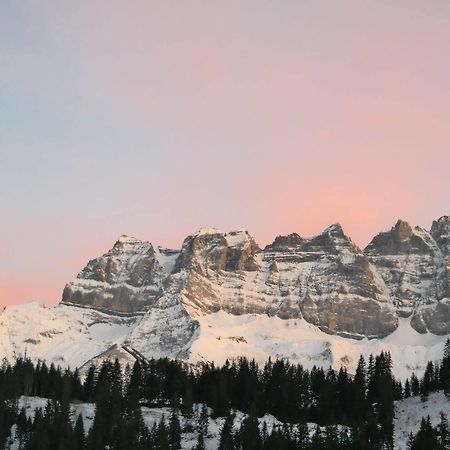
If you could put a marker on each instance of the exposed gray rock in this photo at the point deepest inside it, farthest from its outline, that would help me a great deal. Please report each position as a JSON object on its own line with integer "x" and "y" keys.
{"x": 440, "y": 230}
{"x": 327, "y": 280}
{"x": 293, "y": 277}
{"x": 336, "y": 287}
{"x": 210, "y": 249}
{"x": 414, "y": 266}
{"x": 128, "y": 278}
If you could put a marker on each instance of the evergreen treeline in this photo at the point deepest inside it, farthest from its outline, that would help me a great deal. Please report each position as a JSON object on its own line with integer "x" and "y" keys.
{"x": 436, "y": 377}
{"x": 363, "y": 404}
{"x": 429, "y": 437}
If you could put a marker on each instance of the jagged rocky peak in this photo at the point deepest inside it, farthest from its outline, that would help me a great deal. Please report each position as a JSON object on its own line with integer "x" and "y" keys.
{"x": 331, "y": 282}
{"x": 292, "y": 241}
{"x": 440, "y": 230}
{"x": 333, "y": 240}
{"x": 401, "y": 239}
{"x": 326, "y": 279}
{"x": 413, "y": 268}
{"x": 126, "y": 279}
{"x": 129, "y": 261}
{"x": 434, "y": 315}
{"x": 124, "y": 240}
{"x": 211, "y": 249}
{"x": 345, "y": 294}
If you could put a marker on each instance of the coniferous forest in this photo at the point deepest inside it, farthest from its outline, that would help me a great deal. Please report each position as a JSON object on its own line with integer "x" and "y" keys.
{"x": 351, "y": 412}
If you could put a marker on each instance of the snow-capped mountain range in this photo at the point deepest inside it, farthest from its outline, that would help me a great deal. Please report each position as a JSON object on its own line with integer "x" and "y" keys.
{"x": 320, "y": 300}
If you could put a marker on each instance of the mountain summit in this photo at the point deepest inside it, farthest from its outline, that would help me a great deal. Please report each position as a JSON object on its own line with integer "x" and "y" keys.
{"x": 164, "y": 302}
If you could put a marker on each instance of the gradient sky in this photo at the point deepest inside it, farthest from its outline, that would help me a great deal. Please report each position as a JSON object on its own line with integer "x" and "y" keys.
{"x": 156, "y": 118}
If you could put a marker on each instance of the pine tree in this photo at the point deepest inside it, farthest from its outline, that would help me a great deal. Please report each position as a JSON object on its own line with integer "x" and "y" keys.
{"x": 381, "y": 392}
{"x": 174, "y": 430}
{"x": 445, "y": 369}
{"x": 89, "y": 385}
{"x": 203, "y": 420}
{"x": 100, "y": 434}
{"x": 76, "y": 387}
{"x": 80, "y": 440}
{"x": 63, "y": 425}
{"x": 426, "y": 438}
{"x": 22, "y": 432}
{"x": 40, "y": 439}
{"x": 264, "y": 432}
{"x": 407, "y": 390}
{"x": 415, "y": 385}
{"x": 358, "y": 396}
{"x": 200, "y": 442}
{"x": 303, "y": 436}
{"x": 187, "y": 400}
{"x": 426, "y": 386}
{"x": 249, "y": 435}
{"x": 220, "y": 397}
{"x": 331, "y": 439}
{"x": 162, "y": 436}
{"x": 226, "y": 434}
{"x": 444, "y": 433}
{"x": 316, "y": 439}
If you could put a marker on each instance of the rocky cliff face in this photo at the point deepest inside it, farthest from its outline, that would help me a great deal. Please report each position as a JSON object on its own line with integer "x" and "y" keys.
{"x": 440, "y": 230}
{"x": 326, "y": 280}
{"x": 333, "y": 284}
{"x": 414, "y": 265}
{"x": 126, "y": 279}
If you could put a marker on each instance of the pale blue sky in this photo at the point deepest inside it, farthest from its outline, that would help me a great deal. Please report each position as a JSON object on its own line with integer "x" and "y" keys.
{"x": 156, "y": 118}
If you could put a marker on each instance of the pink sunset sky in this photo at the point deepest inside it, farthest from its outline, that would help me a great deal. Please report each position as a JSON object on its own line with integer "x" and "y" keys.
{"x": 156, "y": 118}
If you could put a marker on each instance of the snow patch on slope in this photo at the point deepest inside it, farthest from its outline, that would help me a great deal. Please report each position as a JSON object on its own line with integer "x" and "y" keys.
{"x": 225, "y": 336}
{"x": 65, "y": 335}
{"x": 409, "y": 413}
{"x": 71, "y": 336}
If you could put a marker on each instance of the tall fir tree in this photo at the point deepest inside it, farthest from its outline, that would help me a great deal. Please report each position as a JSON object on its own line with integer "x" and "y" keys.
{"x": 174, "y": 430}
{"x": 445, "y": 369}
{"x": 226, "y": 441}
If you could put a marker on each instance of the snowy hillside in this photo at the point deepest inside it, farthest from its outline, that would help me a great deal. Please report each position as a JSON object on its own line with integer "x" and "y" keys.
{"x": 64, "y": 335}
{"x": 152, "y": 416}
{"x": 408, "y": 414}
{"x": 223, "y": 336}
{"x": 73, "y": 336}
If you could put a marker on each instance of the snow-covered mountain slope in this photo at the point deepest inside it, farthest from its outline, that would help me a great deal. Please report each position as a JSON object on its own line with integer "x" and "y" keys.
{"x": 65, "y": 335}
{"x": 76, "y": 337}
{"x": 320, "y": 300}
{"x": 223, "y": 336}
{"x": 409, "y": 413}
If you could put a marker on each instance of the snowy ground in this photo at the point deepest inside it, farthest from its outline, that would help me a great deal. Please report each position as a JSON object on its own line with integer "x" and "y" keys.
{"x": 408, "y": 414}
{"x": 225, "y": 336}
{"x": 152, "y": 416}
